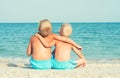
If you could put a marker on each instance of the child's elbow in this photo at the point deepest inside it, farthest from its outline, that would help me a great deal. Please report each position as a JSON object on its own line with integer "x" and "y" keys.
{"x": 28, "y": 53}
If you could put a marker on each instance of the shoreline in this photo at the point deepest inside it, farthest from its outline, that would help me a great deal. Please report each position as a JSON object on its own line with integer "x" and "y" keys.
{"x": 26, "y": 60}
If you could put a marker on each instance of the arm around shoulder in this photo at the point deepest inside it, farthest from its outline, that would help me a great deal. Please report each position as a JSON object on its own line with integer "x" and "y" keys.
{"x": 45, "y": 43}
{"x": 66, "y": 39}
{"x": 81, "y": 56}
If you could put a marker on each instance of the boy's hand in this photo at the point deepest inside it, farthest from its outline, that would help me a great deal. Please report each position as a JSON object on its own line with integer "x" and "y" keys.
{"x": 79, "y": 48}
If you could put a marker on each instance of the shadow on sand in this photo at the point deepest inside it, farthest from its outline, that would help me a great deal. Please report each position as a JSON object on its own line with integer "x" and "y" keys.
{"x": 27, "y": 66}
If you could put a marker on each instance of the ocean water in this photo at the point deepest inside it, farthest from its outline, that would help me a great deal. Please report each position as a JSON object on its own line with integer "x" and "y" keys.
{"x": 99, "y": 40}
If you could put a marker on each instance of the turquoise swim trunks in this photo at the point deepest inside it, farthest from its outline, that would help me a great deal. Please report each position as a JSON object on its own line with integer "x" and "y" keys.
{"x": 40, "y": 64}
{"x": 70, "y": 64}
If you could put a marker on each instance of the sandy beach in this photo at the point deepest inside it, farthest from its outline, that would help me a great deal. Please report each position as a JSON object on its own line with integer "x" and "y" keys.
{"x": 18, "y": 68}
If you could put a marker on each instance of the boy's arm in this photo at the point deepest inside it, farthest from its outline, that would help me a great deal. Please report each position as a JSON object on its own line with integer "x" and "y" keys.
{"x": 45, "y": 43}
{"x": 29, "y": 51}
{"x": 78, "y": 52}
{"x": 68, "y": 40}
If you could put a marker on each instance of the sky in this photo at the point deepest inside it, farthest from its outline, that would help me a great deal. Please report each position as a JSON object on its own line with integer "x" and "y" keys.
{"x": 60, "y": 10}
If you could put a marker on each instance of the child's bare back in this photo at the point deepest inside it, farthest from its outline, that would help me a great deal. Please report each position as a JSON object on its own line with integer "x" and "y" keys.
{"x": 39, "y": 52}
{"x": 62, "y": 51}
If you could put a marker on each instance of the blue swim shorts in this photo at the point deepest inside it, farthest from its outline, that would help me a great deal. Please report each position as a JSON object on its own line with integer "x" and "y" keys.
{"x": 69, "y": 64}
{"x": 40, "y": 64}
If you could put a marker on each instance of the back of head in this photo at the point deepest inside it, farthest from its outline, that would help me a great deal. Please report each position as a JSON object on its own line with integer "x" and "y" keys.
{"x": 66, "y": 30}
{"x": 45, "y": 27}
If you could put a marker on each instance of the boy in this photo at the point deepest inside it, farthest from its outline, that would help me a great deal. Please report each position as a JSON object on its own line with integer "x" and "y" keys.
{"x": 40, "y": 55}
{"x": 62, "y": 51}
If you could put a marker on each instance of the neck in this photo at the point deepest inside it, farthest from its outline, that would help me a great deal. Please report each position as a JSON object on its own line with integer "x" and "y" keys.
{"x": 40, "y": 34}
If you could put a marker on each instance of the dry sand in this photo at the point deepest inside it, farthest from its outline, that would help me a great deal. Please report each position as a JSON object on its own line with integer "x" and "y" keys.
{"x": 22, "y": 69}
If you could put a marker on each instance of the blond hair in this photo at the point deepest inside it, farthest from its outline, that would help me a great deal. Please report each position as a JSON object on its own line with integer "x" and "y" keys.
{"x": 41, "y": 22}
{"x": 66, "y": 29}
{"x": 45, "y": 27}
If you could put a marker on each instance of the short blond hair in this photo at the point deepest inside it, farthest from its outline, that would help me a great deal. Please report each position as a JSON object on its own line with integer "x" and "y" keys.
{"x": 66, "y": 29}
{"x": 45, "y": 27}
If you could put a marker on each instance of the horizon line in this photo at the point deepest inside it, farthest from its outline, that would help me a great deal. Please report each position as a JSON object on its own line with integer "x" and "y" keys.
{"x": 62, "y": 22}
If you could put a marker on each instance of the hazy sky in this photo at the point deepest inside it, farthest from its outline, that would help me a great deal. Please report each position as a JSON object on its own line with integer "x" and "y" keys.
{"x": 60, "y": 10}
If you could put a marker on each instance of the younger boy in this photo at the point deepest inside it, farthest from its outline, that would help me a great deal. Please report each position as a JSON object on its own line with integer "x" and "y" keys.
{"x": 62, "y": 51}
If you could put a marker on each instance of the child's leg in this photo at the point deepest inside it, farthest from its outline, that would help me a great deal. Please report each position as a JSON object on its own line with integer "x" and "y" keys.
{"x": 81, "y": 62}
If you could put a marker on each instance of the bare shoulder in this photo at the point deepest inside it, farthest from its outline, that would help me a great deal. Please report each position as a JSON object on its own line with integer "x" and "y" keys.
{"x": 70, "y": 45}
{"x": 33, "y": 38}
{"x": 53, "y": 34}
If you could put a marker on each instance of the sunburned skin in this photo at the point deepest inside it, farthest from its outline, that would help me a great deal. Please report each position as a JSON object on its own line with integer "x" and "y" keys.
{"x": 37, "y": 50}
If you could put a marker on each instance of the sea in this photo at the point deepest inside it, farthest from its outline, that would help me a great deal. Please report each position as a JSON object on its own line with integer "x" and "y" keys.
{"x": 100, "y": 41}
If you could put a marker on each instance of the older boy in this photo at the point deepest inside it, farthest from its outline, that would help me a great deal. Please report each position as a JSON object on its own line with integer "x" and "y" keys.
{"x": 40, "y": 55}
{"x": 62, "y": 51}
